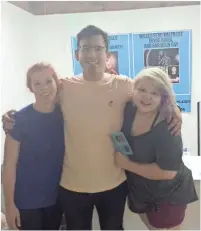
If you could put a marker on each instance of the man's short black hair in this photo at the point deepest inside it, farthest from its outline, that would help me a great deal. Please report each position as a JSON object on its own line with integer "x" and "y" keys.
{"x": 90, "y": 31}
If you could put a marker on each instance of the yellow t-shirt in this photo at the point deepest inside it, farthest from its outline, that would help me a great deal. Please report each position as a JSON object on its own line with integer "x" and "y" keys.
{"x": 92, "y": 110}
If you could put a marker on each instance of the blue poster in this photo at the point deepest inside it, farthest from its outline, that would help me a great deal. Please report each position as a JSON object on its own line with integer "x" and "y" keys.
{"x": 120, "y": 60}
{"x": 170, "y": 51}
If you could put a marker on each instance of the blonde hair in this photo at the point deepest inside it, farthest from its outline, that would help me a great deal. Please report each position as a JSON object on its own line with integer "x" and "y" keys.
{"x": 163, "y": 85}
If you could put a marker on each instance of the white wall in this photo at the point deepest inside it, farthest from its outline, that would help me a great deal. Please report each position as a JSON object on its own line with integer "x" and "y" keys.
{"x": 55, "y": 32}
{"x": 17, "y": 53}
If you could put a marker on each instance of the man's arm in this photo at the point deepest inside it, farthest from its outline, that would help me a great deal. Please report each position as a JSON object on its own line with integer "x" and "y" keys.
{"x": 8, "y": 121}
{"x": 175, "y": 121}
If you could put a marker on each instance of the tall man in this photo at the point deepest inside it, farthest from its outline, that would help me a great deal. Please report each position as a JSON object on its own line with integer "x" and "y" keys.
{"x": 93, "y": 107}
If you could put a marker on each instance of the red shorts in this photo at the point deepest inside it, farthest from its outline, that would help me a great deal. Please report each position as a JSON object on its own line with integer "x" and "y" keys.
{"x": 167, "y": 216}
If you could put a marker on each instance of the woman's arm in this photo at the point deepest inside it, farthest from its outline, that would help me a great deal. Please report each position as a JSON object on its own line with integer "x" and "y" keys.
{"x": 11, "y": 153}
{"x": 149, "y": 171}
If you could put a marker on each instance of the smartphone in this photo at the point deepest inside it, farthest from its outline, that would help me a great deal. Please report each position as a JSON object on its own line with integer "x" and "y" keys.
{"x": 121, "y": 144}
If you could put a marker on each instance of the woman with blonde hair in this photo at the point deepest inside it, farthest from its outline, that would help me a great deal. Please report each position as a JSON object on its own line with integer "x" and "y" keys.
{"x": 160, "y": 185}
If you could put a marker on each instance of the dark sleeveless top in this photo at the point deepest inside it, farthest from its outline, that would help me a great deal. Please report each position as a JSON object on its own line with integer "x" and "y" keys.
{"x": 160, "y": 147}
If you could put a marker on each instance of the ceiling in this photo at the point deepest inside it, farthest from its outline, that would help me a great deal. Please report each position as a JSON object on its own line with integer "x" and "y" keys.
{"x": 67, "y": 7}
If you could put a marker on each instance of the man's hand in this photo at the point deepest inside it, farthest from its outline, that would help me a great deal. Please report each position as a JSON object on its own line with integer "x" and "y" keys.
{"x": 175, "y": 122}
{"x": 122, "y": 161}
{"x": 8, "y": 121}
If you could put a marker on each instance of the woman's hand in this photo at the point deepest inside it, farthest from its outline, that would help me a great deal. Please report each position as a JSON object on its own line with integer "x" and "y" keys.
{"x": 149, "y": 171}
{"x": 122, "y": 161}
{"x": 13, "y": 217}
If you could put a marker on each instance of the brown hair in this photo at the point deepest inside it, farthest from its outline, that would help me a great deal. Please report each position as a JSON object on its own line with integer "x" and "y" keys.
{"x": 40, "y": 67}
